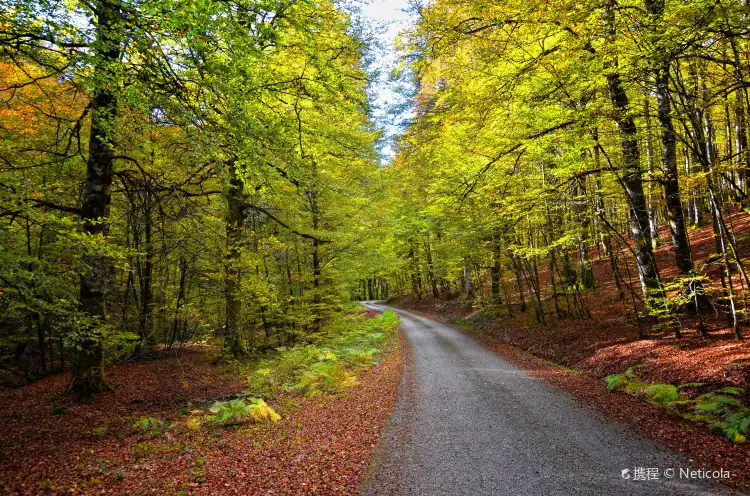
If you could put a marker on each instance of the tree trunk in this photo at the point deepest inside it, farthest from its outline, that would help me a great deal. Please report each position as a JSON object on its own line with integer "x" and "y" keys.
{"x": 723, "y": 237}
{"x": 468, "y": 287}
{"x": 317, "y": 268}
{"x": 519, "y": 281}
{"x": 653, "y": 211}
{"x": 431, "y": 268}
{"x": 145, "y": 326}
{"x": 178, "y": 321}
{"x": 416, "y": 276}
{"x": 586, "y": 277}
{"x": 633, "y": 185}
{"x": 88, "y": 366}
{"x": 496, "y": 272}
{"x": 40, "y": 334}
{"x": 236, "y": 202}
{"x": 677, "y": 226}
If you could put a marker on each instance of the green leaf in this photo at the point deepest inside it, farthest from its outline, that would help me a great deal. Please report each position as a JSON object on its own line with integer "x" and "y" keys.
{"x": 662, "y": 394}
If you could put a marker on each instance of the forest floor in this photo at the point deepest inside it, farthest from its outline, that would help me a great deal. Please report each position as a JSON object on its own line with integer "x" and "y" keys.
{"x": 321, "y": 445}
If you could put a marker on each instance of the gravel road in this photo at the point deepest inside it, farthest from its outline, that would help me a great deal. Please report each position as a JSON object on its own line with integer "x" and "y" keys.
{"x": 467, "y": 422}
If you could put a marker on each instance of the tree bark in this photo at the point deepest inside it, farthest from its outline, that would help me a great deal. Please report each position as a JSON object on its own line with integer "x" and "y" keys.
{"x": 633, "y": 185}
{"x": 668, "y": 135}
{"x": 431, "y": 268}
{"x": 145, "y": 323}
{"x": 519, "y": 281}
{"x": 317, "y": 300}
{"x": 586, "y": 277}
{"x": 653, "y": 211}
{"x": 236, "y": 202}
{"x": 468, "y": 287}
{"x": 87, "y": 364}
{"x": 416, "y": 276}
{"x": 496, "y": 271}
{"x": 671, "y": 183}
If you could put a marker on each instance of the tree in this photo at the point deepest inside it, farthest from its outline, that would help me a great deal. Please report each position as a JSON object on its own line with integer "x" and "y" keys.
{"x": 233, "y": 138}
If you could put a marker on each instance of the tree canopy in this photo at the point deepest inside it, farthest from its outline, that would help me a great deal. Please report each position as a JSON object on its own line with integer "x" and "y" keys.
{"x": 210, "y": 171}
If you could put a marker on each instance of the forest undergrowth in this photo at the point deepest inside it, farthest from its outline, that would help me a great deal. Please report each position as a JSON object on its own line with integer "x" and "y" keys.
{"x": 181, "y": 425}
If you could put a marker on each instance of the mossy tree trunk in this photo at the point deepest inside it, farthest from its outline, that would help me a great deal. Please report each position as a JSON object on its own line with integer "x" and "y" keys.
{"x": 88, "y": 366}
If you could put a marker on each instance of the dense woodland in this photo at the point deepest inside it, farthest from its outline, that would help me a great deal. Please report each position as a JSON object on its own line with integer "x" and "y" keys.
{"x": 201, "y": 171}
{"x": 547, "y": 135}
{"x": 177, "y": 172}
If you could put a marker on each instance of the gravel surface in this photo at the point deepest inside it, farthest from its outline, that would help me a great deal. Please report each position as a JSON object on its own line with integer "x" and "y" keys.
{"x": 469, "y": 422}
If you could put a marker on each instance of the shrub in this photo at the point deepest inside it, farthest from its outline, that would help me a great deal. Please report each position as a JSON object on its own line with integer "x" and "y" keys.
{"x": 349, "y": 342}
{"x": 235, "y": 411}
{"x": 149, "y": 425}
{"x": 720, "y": 410}
{"x": 329, "y": 376}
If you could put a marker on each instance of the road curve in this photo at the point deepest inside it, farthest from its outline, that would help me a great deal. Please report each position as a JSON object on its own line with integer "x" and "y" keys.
{"x": 467, "y": 422}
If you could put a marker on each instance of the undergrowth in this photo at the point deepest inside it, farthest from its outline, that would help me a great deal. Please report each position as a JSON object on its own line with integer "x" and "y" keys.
{"x": 720, "y": 410}
{"x": 235, "y": 411}
{"x": 330, "y": 363}
{"x": 349, "y": 344}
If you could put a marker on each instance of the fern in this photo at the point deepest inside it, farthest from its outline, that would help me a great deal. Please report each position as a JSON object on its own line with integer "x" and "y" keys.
{"x": 663, "y": 394}
{"x": 726, "y": 400}
{"x": 707, "y": 407}
{"x": 328, "y": 356}
{"x": 720, "y": 410}
{"x": 262, "y": 412}
{"x": 349, "y": 343}
{"x": 325, "y": 376}
{"x": 615, "y": 381}
{"x": 149, "y": 424}
{"x": 735, "y": 391}
{"x": 364, "y": 358}
{"x": 627, "y": 382}
{"x": 235, "y": 411}
{"x": 193, "y": 424}
{"x": 229, "y": 411}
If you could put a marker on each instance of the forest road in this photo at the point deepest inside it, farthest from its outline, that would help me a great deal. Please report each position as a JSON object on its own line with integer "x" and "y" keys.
{"x": 467, "y": 422}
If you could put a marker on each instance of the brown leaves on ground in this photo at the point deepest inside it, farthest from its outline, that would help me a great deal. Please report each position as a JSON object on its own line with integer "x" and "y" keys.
{"x": 322, "y": 445}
